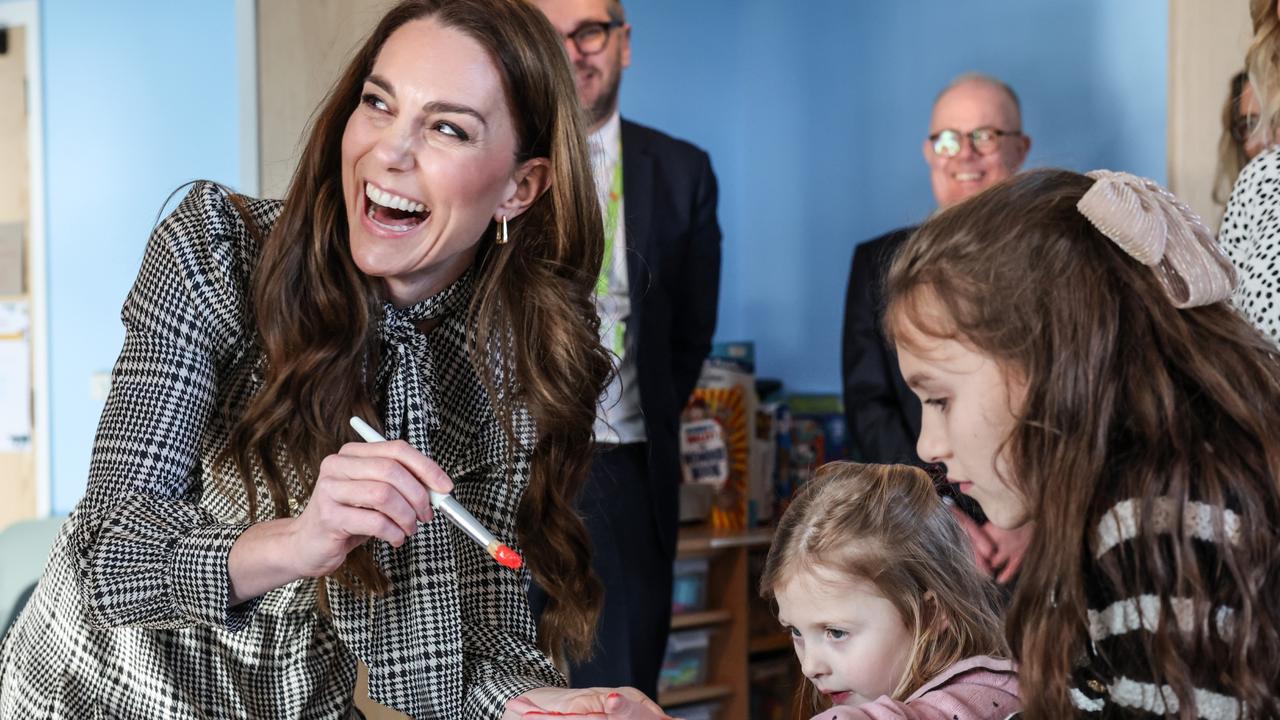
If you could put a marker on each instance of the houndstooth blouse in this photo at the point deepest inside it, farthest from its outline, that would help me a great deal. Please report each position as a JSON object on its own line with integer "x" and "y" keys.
{"x": 1250, "y": 235}
{"x": 130, "y": 619}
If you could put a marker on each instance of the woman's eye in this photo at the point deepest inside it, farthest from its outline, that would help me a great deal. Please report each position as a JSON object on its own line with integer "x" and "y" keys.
{"x": 451, "y": 130}
{"x": 374, "y": 102}
{"x": 793, "y": 632}
{"x": 837, "y": 633}
{"x": 940, "y": 403}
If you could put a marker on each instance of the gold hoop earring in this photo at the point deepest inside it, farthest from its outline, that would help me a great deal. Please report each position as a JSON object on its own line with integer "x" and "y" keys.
{"x": 500, "y": 234}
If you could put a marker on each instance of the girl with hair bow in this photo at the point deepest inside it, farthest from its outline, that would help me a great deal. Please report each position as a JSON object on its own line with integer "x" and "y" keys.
{"x": 1082, "y": 370}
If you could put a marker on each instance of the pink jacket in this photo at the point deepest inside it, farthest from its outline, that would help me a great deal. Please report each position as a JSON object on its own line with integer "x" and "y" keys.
{"x": 977, "y": 688}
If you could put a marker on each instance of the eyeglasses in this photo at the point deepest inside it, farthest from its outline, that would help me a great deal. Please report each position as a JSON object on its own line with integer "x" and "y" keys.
{"x": 1244, "y": 126}
{"x": 985, "y": 140}
{"x": 593, "y": 37}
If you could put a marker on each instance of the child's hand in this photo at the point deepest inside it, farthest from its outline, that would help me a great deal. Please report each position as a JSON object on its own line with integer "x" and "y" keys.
{"x": 1010, "y": 546}
{"x": 983, "y": 547}
{"x": 586, "y": 704}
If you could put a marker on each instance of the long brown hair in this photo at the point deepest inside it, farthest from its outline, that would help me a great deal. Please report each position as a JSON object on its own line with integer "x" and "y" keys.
{"x": 1127, "y": 398}
{"x": 886, "y": 524}
{"x": 533, "y": 311}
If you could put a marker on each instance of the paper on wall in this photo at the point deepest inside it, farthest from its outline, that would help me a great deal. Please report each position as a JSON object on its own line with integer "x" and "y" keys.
{"x": 15, "y": 377}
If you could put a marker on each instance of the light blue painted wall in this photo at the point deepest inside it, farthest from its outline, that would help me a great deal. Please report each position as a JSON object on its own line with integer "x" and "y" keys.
{"x": 814, "y": 112}
{"x": 140, "y": 97}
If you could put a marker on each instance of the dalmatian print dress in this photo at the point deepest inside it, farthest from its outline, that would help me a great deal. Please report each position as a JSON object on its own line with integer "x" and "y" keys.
{"x": 1250, "y": 235}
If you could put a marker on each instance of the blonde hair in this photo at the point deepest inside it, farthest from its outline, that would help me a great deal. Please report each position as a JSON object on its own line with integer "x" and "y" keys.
{"x": 1231, "y": 154}
{"x": 886, "y": 524}
{"x": 1262, "y": 62}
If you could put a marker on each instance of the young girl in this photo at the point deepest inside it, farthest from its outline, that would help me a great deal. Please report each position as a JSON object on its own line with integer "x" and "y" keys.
{"x": 1080, "y": 370}
{"x": 875, "y": 582}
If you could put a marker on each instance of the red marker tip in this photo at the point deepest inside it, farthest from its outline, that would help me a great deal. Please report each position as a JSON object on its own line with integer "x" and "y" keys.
{"x": 507, "y": 557}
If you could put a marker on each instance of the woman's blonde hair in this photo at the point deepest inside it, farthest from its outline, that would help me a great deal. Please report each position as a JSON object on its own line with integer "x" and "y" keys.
{"x": 1262, "y": 62}
{"x": 1231, "y": 155}
{"x": 887, "y": 525}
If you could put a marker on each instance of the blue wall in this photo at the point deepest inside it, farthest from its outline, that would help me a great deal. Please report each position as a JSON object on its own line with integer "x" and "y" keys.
{"x": 814, "y": 114}
{"x": 140, "y": 97}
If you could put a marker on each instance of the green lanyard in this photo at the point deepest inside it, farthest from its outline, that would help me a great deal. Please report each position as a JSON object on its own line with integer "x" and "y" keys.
{"x": 610, "y": 227}
{"x": 606, "y": 264}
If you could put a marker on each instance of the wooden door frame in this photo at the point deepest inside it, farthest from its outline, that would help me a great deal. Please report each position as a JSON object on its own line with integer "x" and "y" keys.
{"x": 26, "y": 13}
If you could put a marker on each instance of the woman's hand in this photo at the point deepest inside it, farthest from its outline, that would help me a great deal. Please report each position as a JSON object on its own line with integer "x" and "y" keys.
{"x": 364, "y": 490}
{"x": 586, "y": 704}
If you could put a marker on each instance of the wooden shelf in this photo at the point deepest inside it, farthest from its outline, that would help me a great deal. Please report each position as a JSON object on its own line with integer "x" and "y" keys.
{"x": 729, "y": 589}
{"x": 698, "y": 540}
{"x": 770, "y": 643}
{"x": 686, "y": 696}
{"x": 700, "y": 619}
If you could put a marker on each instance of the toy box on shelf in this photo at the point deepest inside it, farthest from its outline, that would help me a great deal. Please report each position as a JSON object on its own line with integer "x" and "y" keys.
{"x": 717, "y": 430}
{"x": 817, "y": 436}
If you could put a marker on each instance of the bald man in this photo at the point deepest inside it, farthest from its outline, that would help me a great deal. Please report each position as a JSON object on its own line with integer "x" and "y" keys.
{"x": 975, "y": 140}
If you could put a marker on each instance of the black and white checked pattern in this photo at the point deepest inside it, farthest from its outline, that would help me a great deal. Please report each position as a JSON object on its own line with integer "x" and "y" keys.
{"x": 130, "y": 619}
{"x": 1250, "y": 236}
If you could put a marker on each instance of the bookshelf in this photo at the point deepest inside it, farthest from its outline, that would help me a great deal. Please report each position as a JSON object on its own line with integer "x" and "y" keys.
{"x": 739, "y": 634}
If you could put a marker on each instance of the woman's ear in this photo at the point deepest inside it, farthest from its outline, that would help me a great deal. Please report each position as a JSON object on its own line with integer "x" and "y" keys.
{"x": 531, "y": 179}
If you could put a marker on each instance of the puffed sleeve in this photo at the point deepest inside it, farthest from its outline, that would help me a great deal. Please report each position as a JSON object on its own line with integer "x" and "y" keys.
{"x": 1250, "y": 236}
{"x": 501, "y": 657}
{"x": 148, "y": 554}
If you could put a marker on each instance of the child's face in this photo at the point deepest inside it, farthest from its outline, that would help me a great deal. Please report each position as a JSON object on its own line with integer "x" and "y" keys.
{"x": 852, "y": 643}
{"x": 968, "y": 414}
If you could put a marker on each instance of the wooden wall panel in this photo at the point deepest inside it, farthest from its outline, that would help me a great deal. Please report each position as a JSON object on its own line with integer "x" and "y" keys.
{"x": 1207, "y": 43}
{"x": 17, "y": 470}
{"x": 14, "y": 198}
{"x": 302, "y": 46}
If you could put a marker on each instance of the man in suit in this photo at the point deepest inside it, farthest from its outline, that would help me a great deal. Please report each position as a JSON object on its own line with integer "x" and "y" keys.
{"x": 657, "y": 296}
{"x": 975, "y": 140}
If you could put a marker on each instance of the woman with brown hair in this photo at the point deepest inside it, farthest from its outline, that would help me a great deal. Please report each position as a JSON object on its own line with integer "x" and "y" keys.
{"x": 431, "y": 269}
{"x": 1250, "y": 229}
{"x": 1080, "y": 370}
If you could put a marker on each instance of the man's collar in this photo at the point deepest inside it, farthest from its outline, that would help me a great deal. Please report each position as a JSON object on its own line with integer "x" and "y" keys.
{"x": 607, "y": 139}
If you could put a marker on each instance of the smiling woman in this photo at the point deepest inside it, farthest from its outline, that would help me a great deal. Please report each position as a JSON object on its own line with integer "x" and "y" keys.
{"x": 432, "y": 268}
{"x": 428, "y": 161}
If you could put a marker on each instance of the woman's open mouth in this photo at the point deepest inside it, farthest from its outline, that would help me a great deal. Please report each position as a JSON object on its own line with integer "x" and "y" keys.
{"x": 392, "y": 213}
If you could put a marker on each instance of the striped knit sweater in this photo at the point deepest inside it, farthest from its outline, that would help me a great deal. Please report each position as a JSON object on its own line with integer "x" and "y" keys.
{"x": 1117, "y": 680}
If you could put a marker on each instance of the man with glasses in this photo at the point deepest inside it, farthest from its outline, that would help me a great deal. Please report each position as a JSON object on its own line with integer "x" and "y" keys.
{"x": 975, "y": 140}
{"x": 656, "y": 295}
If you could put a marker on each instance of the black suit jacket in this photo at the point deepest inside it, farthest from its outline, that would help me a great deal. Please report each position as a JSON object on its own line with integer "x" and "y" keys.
{"x": 882, "y": 412}
{"x": 673, "y": 268}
